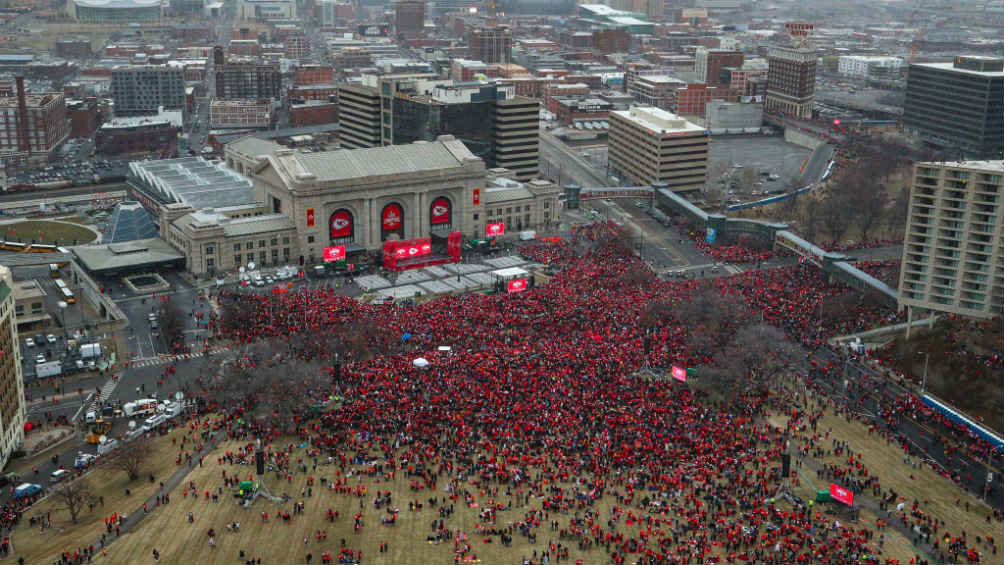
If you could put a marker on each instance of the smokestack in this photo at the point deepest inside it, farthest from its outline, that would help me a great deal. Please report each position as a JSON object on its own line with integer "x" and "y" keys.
{"x": 22, "y": 116}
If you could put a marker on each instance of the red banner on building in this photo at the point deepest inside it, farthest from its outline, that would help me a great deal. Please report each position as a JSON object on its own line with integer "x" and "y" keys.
{"x": 439, "y": 213}
{"x": 334, "y": 253}
{"x": 517, "y": 285}
{"x": 392, "y": 217}
{"x": 680, "y": 374}
{"x": 477, "y": 196}
{"x": 341, "y": 224}
{"x": 840, "y": 494}
{"x": 495, "y": 229}
{"x": 310, "y": 217}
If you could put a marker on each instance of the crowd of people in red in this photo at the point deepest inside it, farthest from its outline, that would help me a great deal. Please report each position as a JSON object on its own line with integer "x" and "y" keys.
{"x": 536, "y": 407}
{"x": 738, "y": 252}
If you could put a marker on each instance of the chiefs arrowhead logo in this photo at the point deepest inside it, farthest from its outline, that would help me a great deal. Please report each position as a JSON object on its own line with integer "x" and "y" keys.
{"x": 517, "y": 285}
{"x": 412, "y": 251}
{"x": 438, "y": 211}
{"x": 339, "y": 223}
{"x": 426, "y": 248}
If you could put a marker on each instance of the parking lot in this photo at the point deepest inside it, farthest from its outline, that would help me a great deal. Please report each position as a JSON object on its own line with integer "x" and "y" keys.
{"x": 758, "y": 154}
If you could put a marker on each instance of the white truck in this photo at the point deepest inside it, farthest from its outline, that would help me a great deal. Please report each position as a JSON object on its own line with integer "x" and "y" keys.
{"x": 141, "y": 407}
{"x": 153, "y": 421}
{"x": 48, "y": 369}
{"x": 89, "y": 350}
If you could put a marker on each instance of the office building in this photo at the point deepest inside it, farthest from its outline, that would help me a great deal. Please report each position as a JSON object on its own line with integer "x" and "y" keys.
{"x": 32, "y": 124}
{"x": 13, "y": 410}
{"x": 265, "y": 10}
{"x": 709, "y": 64}
{"x": 649, "y": 145}
{"x": 957, "y": 107}
{"x": 953, "y": 253}
{"x": 241, "y": 78}
{"x": 142, "y": 89}
{"x": 655, "y": 90}
{"x": 409, "y": 18}
{"x": 490, "y": 45}
{"x": 791, "y": 81}
{"x": 138, "y": 135}
{"x": 313, "y": 74}
{"x": 494, "y": 123}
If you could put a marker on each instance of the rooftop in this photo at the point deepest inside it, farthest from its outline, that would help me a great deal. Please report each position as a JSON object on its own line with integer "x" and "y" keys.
{"x": 120, "y": 256}
{"x": 422, "y": 156}
{"x": 997, "y": 166}
{"x": 24, "y": 290}
{"x": 118, "y": 3}
{"x": 193, "y": 181}
{"x": 32, "y": 100}
{"x": 657, "y": 120}
{"x": 949, "y": 66}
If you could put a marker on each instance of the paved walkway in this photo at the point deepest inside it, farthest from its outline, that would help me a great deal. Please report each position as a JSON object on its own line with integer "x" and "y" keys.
{"x": 176, "y": 478}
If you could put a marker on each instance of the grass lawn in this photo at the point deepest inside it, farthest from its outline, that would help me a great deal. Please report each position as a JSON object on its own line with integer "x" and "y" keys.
{"x": 52, "y": 233}
{"x": 46, "y": 547}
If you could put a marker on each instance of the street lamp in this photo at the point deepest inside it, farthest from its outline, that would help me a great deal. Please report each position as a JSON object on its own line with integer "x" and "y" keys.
{"x": 62, "y": 314}
{"x": 923, "y": 383}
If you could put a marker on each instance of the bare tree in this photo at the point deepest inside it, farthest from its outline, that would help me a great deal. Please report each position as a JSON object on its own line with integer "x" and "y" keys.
{"x": 172, "y": 324}
{"x": 811, "y": 216}
{"x": 870, "y": 200}
{"x": 712, "y": 319}
{"x": 754, "y": 360}
{"x": 74, "y": 496}
{"x": 129, "y": 457}
{"x": 896, "y": 216}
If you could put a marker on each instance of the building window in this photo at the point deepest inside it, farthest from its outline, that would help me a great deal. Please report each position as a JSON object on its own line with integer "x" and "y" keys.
{"x": 261, "y": 257}
{"x": 237, "y": 247}
{"x": 285, "y": 253}
{"x": 250, "y": 245}
{"x": 547, "y": 204}
{"x": 209, "y": 250}
{"x": 275, "y": 241}
{"x": 285, "y": 240}
{"x": 508, "y": 210}
{"x": 210, "y": 262}
{"x": 237, "y": 259}
{"x": 475, "y": 217}
{"x": 310, "y": 239}
{"x": 276, "y": 205}
{"x": 275, "y": 255}
{"x": 261, "y": 243}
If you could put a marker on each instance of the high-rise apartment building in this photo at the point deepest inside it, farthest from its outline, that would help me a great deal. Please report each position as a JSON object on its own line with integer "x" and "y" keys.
{"x": 957, "y": 106}
{"x": 247, "y": 78}
{"x": 709, "y": 64}
{"x": 494, "y": 123}
{"x": 649, "y": 145}
{"x": 953, "y": 253}
{"x": 13, "y": 411}
{"x": 142, "y": 89}
{"x": 490, "y": 45}
{"x": 409, "y": 18}
{"x": 791, "y": 81}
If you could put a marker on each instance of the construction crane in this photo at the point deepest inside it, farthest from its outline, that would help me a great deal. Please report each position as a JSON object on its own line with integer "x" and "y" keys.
{"x": 916, "y": 43}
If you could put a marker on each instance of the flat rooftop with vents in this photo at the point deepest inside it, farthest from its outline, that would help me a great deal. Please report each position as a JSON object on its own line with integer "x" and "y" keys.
{"x": 191, "y": 180}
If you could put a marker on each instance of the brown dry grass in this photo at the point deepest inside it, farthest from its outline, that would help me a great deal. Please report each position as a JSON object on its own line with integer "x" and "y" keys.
{"x": 46, "y": 547}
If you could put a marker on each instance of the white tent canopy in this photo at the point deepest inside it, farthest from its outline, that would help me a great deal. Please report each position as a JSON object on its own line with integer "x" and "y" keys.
{"x": 510, "y": 273}
{"x": 420, "y": 362}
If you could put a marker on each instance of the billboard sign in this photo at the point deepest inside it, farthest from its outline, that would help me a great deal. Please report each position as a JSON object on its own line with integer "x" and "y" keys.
{"x": 516, "y": 285}
{"x": 341, "y": 224}
{"x": 711, "y": 235}
{"x": 680, "y": 374}
{"x": 392, "y": 217}
{"x": 334, "y": 253}
{"x": 495, "y": 229}
{"x": 840, "y": 494}
{"x": 439, "y": 212}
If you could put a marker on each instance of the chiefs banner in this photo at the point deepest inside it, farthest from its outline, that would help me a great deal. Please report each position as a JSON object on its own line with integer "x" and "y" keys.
{"x": 310, "y": 217}
{"x": 517, "y": 285}
{"x": 392, "y": 217}
{"x": 840, "y": 494}
{"x": 341, "y": 224}
{"x": 334, "y": 253}
{"x": 477, "y": 196}
{"x": 495, "y": 229}
{"x": 680, "y": 374}
{"x": 439, "y": 213}
{"x": 413, "y": 248}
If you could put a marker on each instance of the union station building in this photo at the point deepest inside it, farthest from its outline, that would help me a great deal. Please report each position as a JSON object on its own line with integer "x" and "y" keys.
{"x": 276, "y": 206}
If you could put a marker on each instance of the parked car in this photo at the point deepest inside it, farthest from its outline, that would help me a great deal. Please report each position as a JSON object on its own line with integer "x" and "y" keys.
{"x": 50, "y": 338}
{"x": 29, "y": 342}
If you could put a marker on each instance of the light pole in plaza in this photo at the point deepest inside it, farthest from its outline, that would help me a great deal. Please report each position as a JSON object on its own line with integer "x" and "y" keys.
{"x": 62, "y": 315}
{"x": 923, "y": 383}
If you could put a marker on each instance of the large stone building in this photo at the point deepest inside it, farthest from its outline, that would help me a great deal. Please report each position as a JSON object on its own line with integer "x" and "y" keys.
{"x": 953, "y": 255}
{"x": 296, "y": 204}
{"x": 13, "y": 411}
{"x": 791, "y": 81}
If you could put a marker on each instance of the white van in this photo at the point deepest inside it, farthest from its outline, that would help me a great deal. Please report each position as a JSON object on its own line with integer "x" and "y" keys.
{"x": 58, "y": 475}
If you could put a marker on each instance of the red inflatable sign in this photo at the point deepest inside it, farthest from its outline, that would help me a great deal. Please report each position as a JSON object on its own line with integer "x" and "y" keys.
{"x": 517, "y": 285}
{"x": 680, "y": 374}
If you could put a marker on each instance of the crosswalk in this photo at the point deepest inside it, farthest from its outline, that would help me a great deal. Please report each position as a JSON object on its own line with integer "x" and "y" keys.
{"x": 165, "y": 359}
{"x": 109, "y": 388}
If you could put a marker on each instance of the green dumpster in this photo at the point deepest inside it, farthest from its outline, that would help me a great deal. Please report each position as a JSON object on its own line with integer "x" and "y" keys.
{"x": 822, "y": 496}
